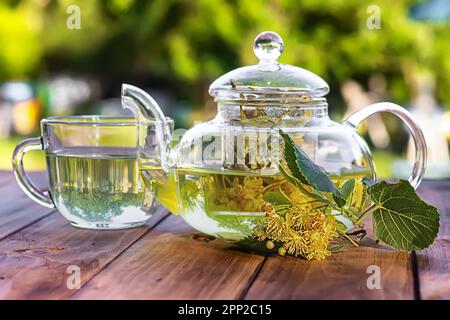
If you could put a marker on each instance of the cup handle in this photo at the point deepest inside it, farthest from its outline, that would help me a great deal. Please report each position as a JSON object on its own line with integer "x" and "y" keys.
{"x": 22, "y": 178}
{"x": 419, "y": 140}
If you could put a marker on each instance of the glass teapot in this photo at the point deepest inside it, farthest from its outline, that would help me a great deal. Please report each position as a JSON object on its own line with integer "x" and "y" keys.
{"x": 221, "y": 173}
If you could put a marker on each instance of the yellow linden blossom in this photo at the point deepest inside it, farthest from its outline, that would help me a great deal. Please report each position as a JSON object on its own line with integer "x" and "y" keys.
{"x": 245, "y": 196}
{"x": 304, "y": 231}
{"x": 298, "y": 139}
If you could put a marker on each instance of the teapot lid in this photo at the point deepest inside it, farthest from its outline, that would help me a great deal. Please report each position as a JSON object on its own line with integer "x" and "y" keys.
{"x": 269, "y": 79}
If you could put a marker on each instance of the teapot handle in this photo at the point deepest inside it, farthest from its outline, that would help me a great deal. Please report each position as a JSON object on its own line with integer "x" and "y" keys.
{"x": 419, "y": 140}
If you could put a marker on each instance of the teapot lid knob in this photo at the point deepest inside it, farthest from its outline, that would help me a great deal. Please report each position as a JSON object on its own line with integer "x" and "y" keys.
{"x": 268, "y": 46}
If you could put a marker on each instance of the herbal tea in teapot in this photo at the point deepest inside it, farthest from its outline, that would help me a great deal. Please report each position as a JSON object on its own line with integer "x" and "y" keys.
{"x": 273, "y": 173}
{"x": 230, "y": 205}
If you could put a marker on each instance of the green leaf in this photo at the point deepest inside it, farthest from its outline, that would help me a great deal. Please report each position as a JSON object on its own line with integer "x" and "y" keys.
{"x": 341, "y": 227}
{"x": 313, "y": 194}
{"x": 347, "y": 188}
{"x": 400, "y": 218}
{"x": 305, "y": 170}
{"x": 287, "y": 176}
{"x": 343, "y": 223}
{"x": 337, "y": 248}
{"x": 339, "y": 199}
{"x": 276, "y": 198}
{"x": 368, "y": 182}
{"x": 254, "y": 245}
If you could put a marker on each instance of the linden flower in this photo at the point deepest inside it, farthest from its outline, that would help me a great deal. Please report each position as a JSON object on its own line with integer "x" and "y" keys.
{"x": 254, "y": 183}
{"x": 276, "y": 227}
{"x": 298, "y": 139}
{"x": 247, "y": 196}
{"x": 222, "y": 198}
{"x": 303, "y": 231}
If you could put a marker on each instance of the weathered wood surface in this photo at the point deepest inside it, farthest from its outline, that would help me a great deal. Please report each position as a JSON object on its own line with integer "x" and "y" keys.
{"x": 35, "y": 262}
{"x": 171, "y": 262}
{"x": 35, "y": 257}
{"x": 434, "y": 262}
{"x": 16, "y": 209}
{"x": 166, "y": 259}
{"x": 341, "y": 276}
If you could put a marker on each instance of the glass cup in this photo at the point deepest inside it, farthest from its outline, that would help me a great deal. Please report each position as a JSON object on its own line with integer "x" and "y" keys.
{"x": 93, "y": 166}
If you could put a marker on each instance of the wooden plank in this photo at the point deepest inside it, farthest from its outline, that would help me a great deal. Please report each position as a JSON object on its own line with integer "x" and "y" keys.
{"x": 434, "y": 262}
{"x": 22, "y": 214}
{"x": 10, "y": 190}
{"x": 344, "y": 275}
{"x": 6, "y": 177}
{"x": 11, "y": 193}
{"x": 16, "y": 209}
{"x": 35, "y": 260}
{"x": 434, "y": 270}
{"x": 171, "y": 262}
{"x": 39, "y": 177}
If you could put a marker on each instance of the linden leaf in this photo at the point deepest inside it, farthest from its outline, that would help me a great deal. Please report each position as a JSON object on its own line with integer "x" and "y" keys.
{"x": 368, "y": 182}
{"x": 400, "y": 218}
{"x": 341, "y": 227}
{"x": 313, "y": 194}
{"x": 276, "y": 198}
{"x": 347, "y": 188}
{"x": 339, "y": 199}
{"x": 252, "y": 245}
{"x": 305, "y": 170}
{"x": 337, "y": 248}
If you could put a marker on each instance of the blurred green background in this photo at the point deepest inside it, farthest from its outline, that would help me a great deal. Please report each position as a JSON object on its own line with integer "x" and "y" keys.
{"x": 176, "y": 48}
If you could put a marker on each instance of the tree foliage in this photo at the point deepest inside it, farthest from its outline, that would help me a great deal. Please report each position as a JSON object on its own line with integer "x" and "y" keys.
{"x": 190, "y": 43}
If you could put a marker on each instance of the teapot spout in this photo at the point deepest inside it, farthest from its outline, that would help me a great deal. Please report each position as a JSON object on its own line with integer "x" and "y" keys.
{"x": 152, "y": 152}
{"x": 143, "y": 106}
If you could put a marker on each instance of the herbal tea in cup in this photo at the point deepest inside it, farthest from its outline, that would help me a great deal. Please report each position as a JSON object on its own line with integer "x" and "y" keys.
{"x": 93, "y": 170}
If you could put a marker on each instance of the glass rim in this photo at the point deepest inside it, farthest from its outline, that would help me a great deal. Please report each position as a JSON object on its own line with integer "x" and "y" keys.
{"x": 100, "y": 120}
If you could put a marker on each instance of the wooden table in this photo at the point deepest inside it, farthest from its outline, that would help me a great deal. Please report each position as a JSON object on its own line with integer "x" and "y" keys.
{"x": 166, "y": 259}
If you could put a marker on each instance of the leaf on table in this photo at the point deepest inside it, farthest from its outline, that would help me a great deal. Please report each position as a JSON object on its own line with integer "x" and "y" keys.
{"x": 337, "y": 248}
{"x": 400, "y": 218}
{"x": 250, "y": 244}
{"x": 305, "y": 170}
